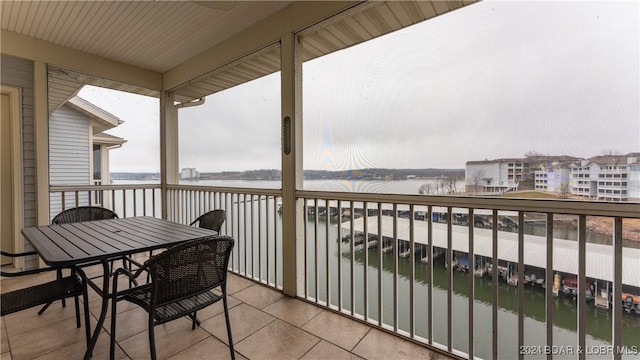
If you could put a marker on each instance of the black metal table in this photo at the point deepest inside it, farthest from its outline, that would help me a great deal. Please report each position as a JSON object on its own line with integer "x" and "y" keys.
{"x": 77, "y": 244}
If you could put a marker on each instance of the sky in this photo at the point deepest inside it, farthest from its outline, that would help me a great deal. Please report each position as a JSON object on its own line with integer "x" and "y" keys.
{"x": 493, "y": 80}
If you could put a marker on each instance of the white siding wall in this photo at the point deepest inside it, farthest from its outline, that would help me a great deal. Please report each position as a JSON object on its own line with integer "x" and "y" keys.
{"x": 69, "y": 155}
{"x": 19, "y": 73}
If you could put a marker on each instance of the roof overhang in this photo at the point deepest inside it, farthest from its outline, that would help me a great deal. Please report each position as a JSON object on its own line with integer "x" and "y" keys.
{"x": 101, "y": 119}
{"x": 146, "y": 47}
{"x": 107, "y": 139}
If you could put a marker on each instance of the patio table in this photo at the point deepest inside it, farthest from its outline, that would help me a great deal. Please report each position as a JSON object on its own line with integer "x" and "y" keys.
{"x": 81, "y": 243}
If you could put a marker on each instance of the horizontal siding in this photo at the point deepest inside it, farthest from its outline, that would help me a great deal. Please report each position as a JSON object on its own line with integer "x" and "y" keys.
{"x": 19, "y": 73}
{"x": 68, "y": 148}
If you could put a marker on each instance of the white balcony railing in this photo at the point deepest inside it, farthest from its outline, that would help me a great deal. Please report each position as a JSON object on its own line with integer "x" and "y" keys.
{"x": 403, "y": 283}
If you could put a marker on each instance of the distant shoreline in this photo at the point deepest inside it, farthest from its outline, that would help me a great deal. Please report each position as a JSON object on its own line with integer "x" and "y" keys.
{"x": 271, "y": 174}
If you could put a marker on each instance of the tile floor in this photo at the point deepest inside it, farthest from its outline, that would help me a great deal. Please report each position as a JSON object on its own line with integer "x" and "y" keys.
{"x": 265, "y": 325}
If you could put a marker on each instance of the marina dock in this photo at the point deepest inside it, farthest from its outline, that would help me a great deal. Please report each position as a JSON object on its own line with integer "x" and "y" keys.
{"x": 599, "y": 258}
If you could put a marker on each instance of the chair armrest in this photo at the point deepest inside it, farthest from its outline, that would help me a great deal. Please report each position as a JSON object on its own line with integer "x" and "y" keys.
{"x": 4, "y": 253}
{"x": 122, "y": 271}
{"x": 134, "y": 262}
{"x": 28, "y": 272}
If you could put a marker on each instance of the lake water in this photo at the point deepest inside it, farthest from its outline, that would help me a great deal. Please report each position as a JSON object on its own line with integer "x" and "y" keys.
{"x": 410, "y": 186}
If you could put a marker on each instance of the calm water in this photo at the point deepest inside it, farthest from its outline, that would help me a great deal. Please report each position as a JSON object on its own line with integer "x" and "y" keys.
{"x": 598, "y": 322}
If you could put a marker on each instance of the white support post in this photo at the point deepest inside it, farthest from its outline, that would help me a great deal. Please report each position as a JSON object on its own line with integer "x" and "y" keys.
{"x": 168, "y": 147}
{"x": 292, "y": 209}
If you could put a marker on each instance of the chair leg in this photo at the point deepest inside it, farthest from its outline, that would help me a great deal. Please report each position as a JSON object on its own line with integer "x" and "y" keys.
{"x": 226, "y": 317}
{"x": 77, "y": 312}
{"x": 112, "y": 343}
{"x": 152, "y": 340}
{"x": 64, "y": 302}
{"x": 46, "y": 306}
{"x": 194, "y": 320}
{"x": 87, "y": 321}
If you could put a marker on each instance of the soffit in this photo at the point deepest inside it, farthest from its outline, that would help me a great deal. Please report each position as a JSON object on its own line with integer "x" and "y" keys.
{"x": 152, "y": 35}
{"x": 65, "y": 84}
{"x": 159, "y": 35}
{"x": 361, "y": 23}
{"x": 369, "y": 21}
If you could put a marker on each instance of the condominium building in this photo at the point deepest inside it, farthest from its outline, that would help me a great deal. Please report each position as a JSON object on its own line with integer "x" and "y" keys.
{"x": 189, "y": 173}
{"x": 495, "y": 176}
{"x": 608, "y": 178}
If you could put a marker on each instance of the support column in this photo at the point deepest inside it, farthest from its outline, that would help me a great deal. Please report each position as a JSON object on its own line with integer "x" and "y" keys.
{"x": 291, "y": 123}
{"x": 168, "y": 148}
{"x": 41, "y": 129}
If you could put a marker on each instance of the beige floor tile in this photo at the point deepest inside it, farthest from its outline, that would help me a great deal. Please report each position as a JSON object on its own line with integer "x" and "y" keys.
{"x": 20, "y": 282}
{"x": 129, "y": 323}
{"x": 380, "y": 345}
{"x": 77, "y": 350}
{"x": 217, "y": 308}
{"x": 258, "y": 296}
{"x": 206, "y": 349}
{"x": 293, "y": 311}
{"x": 278, "y": 340}
{"x": 245, "y": 320}
{"x": 39, "y": 341}
{"x": 237, "y": 283}
{"x": 170, "y": 338}
{"x": 4, "y": 340}
{"x": 337, "y": 329}
{"x": 325, "y": 350}
{"x": 29, "y": 320}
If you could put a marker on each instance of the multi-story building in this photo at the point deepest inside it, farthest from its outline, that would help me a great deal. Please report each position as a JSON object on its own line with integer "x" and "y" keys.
{"x": 608, "y": 178}
{"x": 547, "y": 173}
{"x": 494, "y": 176}
{"x": 553, "y": 178}
{"x": 189, "y": 173}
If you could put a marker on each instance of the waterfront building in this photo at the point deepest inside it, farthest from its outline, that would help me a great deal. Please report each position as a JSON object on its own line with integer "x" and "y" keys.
{"x": 495, "y": 176}
{"x": 608, "y": 177}
{"x": 79, "y": 148}
{"x": 189, "y": 173}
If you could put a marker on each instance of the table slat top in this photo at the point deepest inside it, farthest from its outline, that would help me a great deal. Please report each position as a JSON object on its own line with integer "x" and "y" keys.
{"x": 83, "y": 242}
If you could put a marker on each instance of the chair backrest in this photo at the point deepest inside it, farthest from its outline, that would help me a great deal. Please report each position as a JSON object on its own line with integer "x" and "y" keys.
{"x": 189, "y": 269}
{"x": 83, "y": 213}
{"x": 212, "y": 220}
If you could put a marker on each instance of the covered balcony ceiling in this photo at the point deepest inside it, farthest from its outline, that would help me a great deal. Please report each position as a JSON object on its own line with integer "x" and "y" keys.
{"x": 159, "y": 36}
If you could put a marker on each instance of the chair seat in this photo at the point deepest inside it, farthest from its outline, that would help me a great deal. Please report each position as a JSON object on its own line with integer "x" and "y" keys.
{"x": 174, "y": 310}
{"x": 23, "y": 299}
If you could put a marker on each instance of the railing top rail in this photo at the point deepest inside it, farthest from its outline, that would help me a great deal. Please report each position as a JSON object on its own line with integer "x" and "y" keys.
{"x": 224, "y": 189}
{"x": 575, "y": 207}
{"x": 67, "y": 188}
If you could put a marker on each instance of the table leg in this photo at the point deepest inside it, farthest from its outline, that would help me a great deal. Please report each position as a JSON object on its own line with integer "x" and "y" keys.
{"x": 104, "y": 293}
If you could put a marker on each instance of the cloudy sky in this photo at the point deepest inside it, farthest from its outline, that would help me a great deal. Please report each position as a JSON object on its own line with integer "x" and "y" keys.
{"x": 493, "y": 80}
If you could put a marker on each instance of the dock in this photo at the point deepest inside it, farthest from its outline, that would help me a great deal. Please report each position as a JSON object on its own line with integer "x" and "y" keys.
{"x": 565, "y": 252}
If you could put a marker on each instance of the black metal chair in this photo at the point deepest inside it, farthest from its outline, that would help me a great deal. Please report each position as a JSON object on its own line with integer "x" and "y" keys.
{"x": 63, "y": 287}
{"x": 83, "y": 213}
{"x": 211, "y": 220}
{"x": 78, "y": 214}
{"x": 182, "y": 278}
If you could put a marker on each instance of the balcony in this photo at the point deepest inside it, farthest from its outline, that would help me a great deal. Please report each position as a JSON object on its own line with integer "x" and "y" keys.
{"x": 266, "y": 325}
{"x": 427, "y": 307}
{"x": 455, "y": 275}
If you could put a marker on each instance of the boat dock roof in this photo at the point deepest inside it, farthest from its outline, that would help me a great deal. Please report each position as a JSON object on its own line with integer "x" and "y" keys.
{"x": 599, "y": 262}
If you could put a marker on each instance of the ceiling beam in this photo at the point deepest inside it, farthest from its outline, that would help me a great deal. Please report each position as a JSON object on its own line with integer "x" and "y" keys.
{"x": 21, "y": 46}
